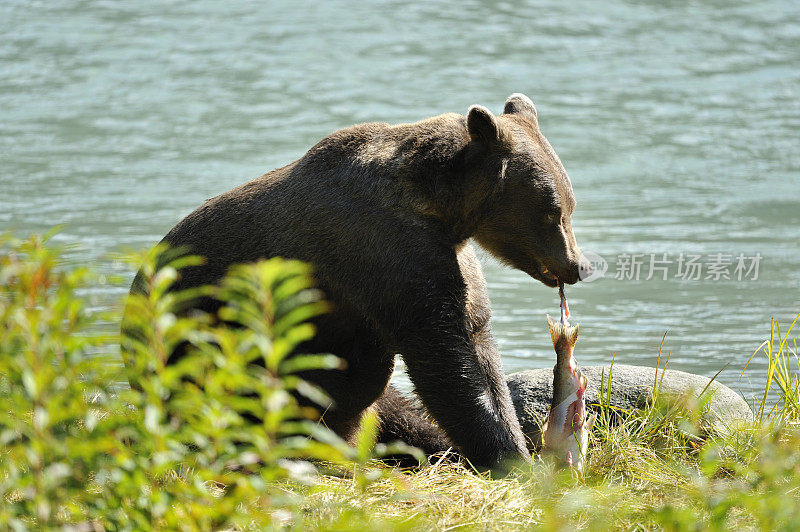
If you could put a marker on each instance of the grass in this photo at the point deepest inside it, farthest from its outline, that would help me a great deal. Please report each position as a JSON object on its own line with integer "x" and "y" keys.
{"x": 652, "y": 468}
{"x": 177, "y": 452}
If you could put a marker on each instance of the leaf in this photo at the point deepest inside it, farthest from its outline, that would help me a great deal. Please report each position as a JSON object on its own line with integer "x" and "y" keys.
{"x": 367, "y": 436}
{"x": 298, "y": 363}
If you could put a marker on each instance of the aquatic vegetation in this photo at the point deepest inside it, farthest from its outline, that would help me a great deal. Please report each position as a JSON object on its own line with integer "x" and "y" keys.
{"x": 180, "y": 450}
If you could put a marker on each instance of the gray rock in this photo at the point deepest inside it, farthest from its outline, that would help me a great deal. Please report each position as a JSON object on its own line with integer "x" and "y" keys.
{"x": 631, "y": 388}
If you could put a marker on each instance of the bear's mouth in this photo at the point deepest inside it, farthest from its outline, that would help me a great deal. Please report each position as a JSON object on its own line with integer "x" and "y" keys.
{"x": 544, "y": 275}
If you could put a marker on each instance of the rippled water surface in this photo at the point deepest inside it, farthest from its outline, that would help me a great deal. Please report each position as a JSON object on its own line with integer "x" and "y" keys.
{"x": 678, "y": 124}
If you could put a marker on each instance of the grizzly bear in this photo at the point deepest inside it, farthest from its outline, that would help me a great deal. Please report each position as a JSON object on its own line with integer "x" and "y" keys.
{"x": 386, "y": 215}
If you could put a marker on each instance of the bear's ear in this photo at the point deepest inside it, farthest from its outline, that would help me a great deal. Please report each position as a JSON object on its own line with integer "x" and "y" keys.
{"x": 519, "y": 104}
{"x": 483, "y": 126}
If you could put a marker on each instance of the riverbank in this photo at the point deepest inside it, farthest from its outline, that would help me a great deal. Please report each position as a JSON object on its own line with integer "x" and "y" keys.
{"x": 648, "y": 473}
{"x": 180, "y": 449}
{"x": 654, "y": 468}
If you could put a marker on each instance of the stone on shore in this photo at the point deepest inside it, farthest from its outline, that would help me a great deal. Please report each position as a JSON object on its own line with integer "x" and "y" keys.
{"x": 631, "y": 388}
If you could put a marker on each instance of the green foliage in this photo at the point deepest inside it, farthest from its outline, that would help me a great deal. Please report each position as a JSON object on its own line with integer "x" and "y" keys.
{"x": 51, "y": 448}
{"x": 215, "y": 439}
{"x": 781, "y": 351}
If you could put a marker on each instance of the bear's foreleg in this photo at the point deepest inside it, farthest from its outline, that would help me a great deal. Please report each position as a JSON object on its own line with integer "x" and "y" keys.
{"x": 459, "y": 378}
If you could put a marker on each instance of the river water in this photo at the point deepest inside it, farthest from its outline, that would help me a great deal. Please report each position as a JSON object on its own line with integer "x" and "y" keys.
{"x": 678, "y": 123}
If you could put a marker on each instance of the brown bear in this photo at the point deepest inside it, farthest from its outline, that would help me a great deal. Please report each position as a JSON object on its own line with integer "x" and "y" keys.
{"x": 386, "y": 215}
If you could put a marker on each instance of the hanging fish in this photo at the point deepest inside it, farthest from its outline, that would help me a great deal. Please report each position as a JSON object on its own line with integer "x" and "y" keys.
{"x": 566, "y": 429}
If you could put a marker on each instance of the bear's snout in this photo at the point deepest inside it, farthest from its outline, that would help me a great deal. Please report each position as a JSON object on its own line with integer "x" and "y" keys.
{"x": 585, "y": 268}
{"x": 575, "y": 270}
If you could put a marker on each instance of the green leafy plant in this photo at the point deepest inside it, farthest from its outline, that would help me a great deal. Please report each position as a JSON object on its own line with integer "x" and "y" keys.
{"x": 781, "y": 351}
{"x": 218, "y": 440}
{"x": 52, "y": 381}
{"x": 214, "y": 439}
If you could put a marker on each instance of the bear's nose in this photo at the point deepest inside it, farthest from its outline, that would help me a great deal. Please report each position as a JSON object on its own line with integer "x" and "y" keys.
{"x": 585, "y": 268}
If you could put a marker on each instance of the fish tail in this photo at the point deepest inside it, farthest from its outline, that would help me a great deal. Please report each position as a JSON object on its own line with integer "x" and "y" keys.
{"x": 560, "y": 331}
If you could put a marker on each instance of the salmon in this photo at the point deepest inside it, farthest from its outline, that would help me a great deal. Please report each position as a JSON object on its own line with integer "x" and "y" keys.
{"x": 566, "y": 429}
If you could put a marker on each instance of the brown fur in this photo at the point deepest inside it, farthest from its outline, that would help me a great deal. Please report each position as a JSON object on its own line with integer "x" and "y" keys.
{"x": 384, "y": 214}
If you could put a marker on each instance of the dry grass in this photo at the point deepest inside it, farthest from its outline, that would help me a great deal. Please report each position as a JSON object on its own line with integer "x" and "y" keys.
{"x": 625, "y": 486}
{"x": 657, "y": 468}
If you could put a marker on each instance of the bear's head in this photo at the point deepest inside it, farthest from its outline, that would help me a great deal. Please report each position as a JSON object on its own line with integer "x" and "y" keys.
{"x": 527, "y": 223}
